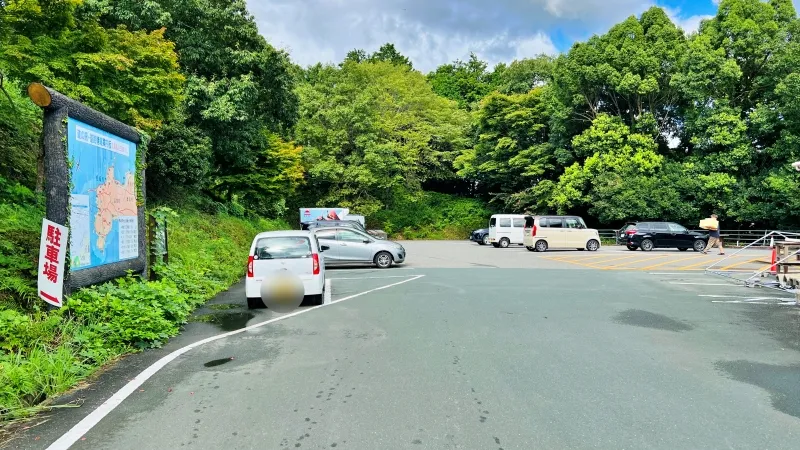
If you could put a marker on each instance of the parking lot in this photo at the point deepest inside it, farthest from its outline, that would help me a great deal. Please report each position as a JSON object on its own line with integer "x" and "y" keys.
{"x": 467, "y": 254}
{"x": 467, "y": 346}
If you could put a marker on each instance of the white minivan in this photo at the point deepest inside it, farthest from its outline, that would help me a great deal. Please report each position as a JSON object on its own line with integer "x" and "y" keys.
{"x": 544, "y": 232}
{"x": 296, "y": 251}
{"x": 506, "y": 229}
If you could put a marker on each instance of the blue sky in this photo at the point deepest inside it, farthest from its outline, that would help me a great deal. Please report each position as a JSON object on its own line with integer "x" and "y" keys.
{"x": 434, "y": 32}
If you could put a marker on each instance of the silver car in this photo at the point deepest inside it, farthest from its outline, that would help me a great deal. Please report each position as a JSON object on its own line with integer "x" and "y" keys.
{"x": 348, "y": 246}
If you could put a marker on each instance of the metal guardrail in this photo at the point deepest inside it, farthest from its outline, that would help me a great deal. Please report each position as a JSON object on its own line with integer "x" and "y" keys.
{"x": 731, "y": 238}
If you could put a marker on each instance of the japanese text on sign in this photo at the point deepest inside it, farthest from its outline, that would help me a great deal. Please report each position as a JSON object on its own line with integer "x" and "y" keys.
{"x": 51, "y": 262}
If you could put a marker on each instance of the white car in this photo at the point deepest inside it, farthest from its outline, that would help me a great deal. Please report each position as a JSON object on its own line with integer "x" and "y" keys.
{"x": 295, "y": 251}
{"x": 545, "y": 232}
{"x": 506, "y": 229}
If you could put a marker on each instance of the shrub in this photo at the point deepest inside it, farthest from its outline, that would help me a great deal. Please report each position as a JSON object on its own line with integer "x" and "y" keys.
{"x": 431, "y": 215}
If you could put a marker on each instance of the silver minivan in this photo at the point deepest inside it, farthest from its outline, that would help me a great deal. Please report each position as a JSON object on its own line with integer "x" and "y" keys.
{"x": 348, "y": 246}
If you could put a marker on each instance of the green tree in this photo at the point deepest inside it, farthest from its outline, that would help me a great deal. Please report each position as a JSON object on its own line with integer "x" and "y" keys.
{"x": 239, "y": 89}
{"x": 738, "y": 130}
{"x": 624, "y": 177}
{"x": 370, "y": 129}
{"x": 131, "y": 76}
{"x": 20, "y": 130}
{"x": 626, "y": 72}
{"x": 523, "y": 75}
{"x": 512, "y": 159}
{"x": 466, "y": 82}
{"x": 388, "y": 53}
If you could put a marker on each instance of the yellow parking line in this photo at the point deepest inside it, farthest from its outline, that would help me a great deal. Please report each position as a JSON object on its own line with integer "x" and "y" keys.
{"x": 603, "y": 262}
{"x": 577, "y": 257}
{"x": 673, "y": 261}
{"x": 709, "y": 262}
{"x": 570, "y": 262}
{"x": 637, "y": 261}
{"x": 740, "y": 263}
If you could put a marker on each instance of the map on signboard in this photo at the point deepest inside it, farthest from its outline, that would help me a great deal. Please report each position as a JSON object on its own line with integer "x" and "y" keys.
{"x": 104, "y": 225}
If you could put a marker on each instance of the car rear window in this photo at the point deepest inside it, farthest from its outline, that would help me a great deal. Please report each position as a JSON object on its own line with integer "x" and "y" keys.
{"x": 530, "y": 222}
{"x": 283, "y": 248}
{"x": 493, "y": 221}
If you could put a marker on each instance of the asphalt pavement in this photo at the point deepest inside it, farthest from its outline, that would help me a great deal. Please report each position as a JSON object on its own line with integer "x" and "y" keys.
{"x": 468, "y": 347}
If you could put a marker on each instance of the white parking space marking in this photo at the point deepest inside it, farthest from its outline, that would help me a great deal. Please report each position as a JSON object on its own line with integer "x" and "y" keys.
{"x": 703, "y": 284}
{"x": 676, "y": 273}
{"x": 327, "y": 298}
{"x": 743, "y": 296}
{"x": 756, "y": 302}
{"x": 371, "y": 269}
{"x": 374, "y": 278}
{"x": 88, "y": 422}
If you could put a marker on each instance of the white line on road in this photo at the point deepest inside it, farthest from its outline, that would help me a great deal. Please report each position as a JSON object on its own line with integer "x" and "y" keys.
{"x": 703, "y": 284}
{"x": 675, "y": 273}
{"x": 335, "y": 270}
{"x": 88, "y": 422}
{"x": 740, "y": 296}
{"x": 747, "y": 302}
{"x": 327, "y": 298}
{"x": 373, "y": 278}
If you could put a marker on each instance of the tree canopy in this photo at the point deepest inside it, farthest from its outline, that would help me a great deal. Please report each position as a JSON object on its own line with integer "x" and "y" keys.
{"x": 643, "y": 121}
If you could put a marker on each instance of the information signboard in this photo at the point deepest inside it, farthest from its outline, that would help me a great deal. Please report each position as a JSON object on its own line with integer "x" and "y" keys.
{"x": 103, "y": 207}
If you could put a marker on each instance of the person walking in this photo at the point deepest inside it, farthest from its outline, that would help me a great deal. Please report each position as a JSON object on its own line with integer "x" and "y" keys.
{"x": 714, "y": 238}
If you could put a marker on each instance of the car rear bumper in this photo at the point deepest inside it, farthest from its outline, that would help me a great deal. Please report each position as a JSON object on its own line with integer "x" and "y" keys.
{"x": 313, "y": 285}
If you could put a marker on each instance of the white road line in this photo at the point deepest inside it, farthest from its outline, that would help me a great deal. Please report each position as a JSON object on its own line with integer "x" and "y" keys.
{"x": 675, "y": 273}
{"x": 88, "y": 422}
{"x": 744, "y": 296}
{"x": 745, "y": 302}
{"x": 327, "y": 298}
{"x": 373, "y": 278}
{"x": 703, "y": 284}
{"x": 334, "y": 270}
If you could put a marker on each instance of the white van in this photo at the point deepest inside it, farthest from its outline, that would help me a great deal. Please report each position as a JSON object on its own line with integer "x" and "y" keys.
{"x": 296, "y": 251}
{"x": 543, "y": 232}
{"x": 506, "y": 229}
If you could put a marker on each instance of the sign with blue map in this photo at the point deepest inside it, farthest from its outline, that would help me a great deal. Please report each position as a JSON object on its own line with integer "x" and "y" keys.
{"x": 104, "y": 225}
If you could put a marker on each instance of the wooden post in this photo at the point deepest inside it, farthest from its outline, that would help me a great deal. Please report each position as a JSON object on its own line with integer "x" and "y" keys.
{"x": 151, "y": 246}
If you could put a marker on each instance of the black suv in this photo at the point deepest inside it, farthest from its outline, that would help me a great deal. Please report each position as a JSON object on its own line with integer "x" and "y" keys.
{"x": 650, "y": 235}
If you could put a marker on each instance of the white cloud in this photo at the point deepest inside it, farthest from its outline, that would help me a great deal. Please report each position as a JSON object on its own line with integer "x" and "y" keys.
{"x": 688, "y": 24}
{"x": 534, "y": 46}
{"x": 433, "y": 32}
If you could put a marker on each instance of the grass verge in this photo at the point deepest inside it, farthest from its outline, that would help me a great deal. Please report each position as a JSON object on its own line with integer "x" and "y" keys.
{"x": 45, "y": 353}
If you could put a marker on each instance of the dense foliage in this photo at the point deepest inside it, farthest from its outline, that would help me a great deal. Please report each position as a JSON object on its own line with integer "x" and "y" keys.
{"x": 641, "y": 122}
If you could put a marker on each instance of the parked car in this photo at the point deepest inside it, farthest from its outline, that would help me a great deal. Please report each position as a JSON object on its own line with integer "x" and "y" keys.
{"x": 480, "y": 236}
{"x": 356, "y": 225}
{"x": 348, "y": 246}
{"x": 650, "y": 235}
{"x": 333, "y": 223}
{"x": 506, "y": 229}
{"x": 296, "y": 251}
{"x": 546, "y": 232}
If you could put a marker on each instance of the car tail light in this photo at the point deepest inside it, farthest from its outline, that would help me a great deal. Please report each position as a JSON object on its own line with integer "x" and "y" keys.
{"x": 533, "y": 231}
{"x": 315, "y": 260}
{"x": 250, "y": 267}
{"x": 631, "y": 232}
